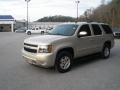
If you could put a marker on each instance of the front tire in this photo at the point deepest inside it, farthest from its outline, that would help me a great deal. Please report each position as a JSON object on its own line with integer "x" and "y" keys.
{"x": 42, "y": 32}
{"x": 63, "y": 62}
{"x": 106, "y": 51}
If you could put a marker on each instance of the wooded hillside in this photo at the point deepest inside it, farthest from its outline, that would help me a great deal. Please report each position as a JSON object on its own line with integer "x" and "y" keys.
{"x": 109, "y": 13}
{"x": 105, "y": 13}
{"x": 57, "y": 18}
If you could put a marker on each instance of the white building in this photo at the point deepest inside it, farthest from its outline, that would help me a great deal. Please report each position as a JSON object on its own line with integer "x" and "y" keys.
{"x": 6, "y": 23}
{"x": 43, "y": 25}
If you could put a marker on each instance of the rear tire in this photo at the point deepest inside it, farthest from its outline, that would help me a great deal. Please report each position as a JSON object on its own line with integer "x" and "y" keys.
{"x": 106, "y": 51}
{"x": 63, "y": 62}
{"x": 28, "y": 33}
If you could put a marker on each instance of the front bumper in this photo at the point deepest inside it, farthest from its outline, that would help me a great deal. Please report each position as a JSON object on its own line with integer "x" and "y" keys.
{"x": 40, "y": 59}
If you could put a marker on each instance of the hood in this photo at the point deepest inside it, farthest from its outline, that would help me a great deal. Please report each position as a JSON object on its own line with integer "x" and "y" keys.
{"x": 44, "y": 39}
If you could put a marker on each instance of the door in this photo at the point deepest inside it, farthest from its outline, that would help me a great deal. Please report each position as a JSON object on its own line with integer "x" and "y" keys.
{"x": 83, "y": 43}
{"x": 37, "y": 30}
{"x": 98, "y": 38}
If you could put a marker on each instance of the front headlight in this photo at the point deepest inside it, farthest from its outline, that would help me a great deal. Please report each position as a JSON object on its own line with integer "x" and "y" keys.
{"x": 45, "y": 48}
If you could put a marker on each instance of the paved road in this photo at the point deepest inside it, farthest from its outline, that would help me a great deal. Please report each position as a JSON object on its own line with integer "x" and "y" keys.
{"x": 91, "y": 74}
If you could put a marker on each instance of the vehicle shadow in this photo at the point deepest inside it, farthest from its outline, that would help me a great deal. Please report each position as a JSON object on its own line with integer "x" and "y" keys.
{"x": 43, "y": 69}
{"x": 79, "y": 62}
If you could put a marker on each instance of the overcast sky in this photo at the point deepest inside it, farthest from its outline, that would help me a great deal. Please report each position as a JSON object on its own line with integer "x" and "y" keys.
{"x": 41, "y": 8}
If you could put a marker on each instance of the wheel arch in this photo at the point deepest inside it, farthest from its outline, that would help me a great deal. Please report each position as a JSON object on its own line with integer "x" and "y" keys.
{"x": 108, "y": 43}
{"x": 67, "y": 49}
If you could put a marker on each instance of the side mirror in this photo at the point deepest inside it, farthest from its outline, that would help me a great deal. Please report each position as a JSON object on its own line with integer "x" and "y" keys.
{"x": 82, "y": 33}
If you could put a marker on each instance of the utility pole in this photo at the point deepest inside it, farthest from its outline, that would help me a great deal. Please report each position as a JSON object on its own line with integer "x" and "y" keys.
{"x": 77, "y": 2}
{"x": 27, "y": 1}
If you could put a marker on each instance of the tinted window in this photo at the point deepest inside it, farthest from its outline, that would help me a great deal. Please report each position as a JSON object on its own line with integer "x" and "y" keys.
{"x": 86, "y": 29}
{"x": 107, "y": 29}
{"x": 96, "y": 29}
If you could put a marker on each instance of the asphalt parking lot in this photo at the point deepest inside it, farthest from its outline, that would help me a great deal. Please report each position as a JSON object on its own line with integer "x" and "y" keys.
{"x": 90, "y": 74}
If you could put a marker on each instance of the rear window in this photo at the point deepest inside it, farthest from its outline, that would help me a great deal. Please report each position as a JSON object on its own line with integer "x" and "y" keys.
{"x": 107, "y": 29}
{"x": 96, "y": 29}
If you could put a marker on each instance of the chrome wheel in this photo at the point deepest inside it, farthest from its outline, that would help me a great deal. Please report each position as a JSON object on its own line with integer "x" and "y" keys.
{"x": 65, "y": 62}
{"x": 106, "y": 52}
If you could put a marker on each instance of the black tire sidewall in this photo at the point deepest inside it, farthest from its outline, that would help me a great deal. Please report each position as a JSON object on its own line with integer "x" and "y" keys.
{"x": 58, "y": 58}
{"x": 103, "y": 51}
{"x": 42, "y": 32}
{"x": 29, "y": 33}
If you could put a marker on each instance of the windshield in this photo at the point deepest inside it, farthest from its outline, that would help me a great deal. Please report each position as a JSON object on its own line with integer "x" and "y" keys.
{"x": 65, "y": 30}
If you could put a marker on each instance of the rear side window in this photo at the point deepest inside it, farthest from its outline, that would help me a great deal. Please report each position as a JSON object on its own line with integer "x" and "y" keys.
{"x": 107, "y": 29}
{"x": 96, "y": 29}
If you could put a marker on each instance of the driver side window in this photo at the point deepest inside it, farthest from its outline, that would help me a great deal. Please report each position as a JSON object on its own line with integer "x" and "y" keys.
{"x": 85, "y": 28}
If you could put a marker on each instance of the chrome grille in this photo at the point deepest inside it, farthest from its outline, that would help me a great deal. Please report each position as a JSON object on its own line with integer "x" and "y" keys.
{"x": 117, "y": 34}
{"x": 30, "y": 48}
{"x": 30, "y": 45}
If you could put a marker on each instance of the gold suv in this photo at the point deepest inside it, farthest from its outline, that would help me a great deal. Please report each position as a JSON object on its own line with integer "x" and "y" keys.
{"x": 68, "y": 41}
